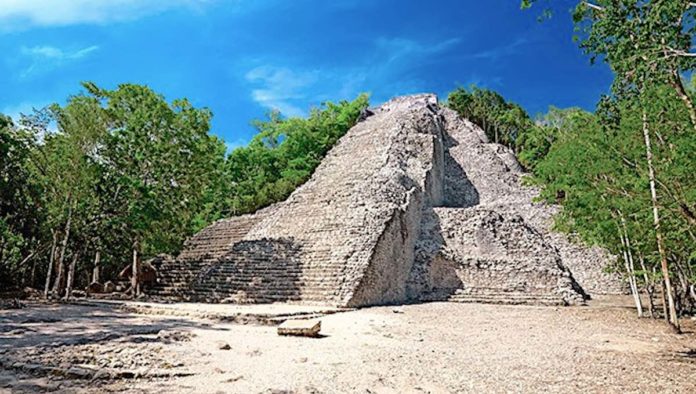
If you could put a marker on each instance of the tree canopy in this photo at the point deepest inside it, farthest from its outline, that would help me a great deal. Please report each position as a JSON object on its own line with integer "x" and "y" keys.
{"x": 120, "y": 173}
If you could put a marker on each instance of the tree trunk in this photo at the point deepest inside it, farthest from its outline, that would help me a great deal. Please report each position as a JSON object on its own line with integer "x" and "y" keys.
{"x": 685, "y": 286}
{"x": 23, "y": 268}
{"x": 71, "y": 276}
{"x": 32, "y": 277}
{"x": 52, "y": 257}
{"x": 2, "y": 251}
{"x": 676, "y": 82}
{"x": 632, "y": 267}
{"x": 670, "y": 308}
{"x": 663, "y": 299}
{"x": 95, "y": 271}
{"x": 59, "y": 278}
{"x": 58, "y": 284}
{"x": 135, "y": 283}
{"x": 649, "y": 286}
{"x": 631, "y": 275}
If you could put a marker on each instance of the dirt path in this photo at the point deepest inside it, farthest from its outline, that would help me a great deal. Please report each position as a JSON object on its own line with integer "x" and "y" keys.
{"x": 436, "y": 347}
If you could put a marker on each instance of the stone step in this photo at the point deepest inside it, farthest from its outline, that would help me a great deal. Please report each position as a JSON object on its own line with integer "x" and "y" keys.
{"x": 503, "y": 292}
{"x": 506, "y": 301}
{"x": 168, "y": 288}
{"x": 508, "y": 298}
{"x": 279, "y": 293}
{"x": 266, "y": 277}
{"x": 254, "y": 294}
{"x": 505, "y": 296}
{"x": 290, "y": 271}
{"x": 259, "y": 288}
{"x": 241, "y": 279}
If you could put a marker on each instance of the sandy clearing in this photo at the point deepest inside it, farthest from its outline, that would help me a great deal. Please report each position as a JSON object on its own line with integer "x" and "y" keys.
{"x": 435, "y": 347}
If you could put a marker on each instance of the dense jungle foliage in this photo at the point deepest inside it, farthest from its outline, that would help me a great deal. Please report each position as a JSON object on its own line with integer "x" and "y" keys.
{"x": 113, "y": 174}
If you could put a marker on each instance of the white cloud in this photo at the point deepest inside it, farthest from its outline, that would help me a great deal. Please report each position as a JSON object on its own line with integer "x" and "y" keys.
{"x": 22, "y": 14}
{"x": 49, "y": 52}
{"x": 45, "y": 58}
{"x": 291, "y": 90}
{"x": 400, "y": 48}
{"x": 501, "y": 51}
{"x": 279, "y": 86}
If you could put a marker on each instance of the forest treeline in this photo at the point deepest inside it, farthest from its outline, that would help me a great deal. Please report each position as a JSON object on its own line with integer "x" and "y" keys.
{"x": 625, "y": 174}
{"x": 120, "y": 175}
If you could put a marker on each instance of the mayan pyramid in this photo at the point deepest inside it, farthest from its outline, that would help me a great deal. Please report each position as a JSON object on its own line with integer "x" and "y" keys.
{"x": 412, "y": 204}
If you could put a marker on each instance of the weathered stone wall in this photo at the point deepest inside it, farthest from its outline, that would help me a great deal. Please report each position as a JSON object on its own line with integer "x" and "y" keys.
{"x": 203, "y": 250}
{"x": 413, "y": 203}
{"x": 352, "y": 226}
{"x": 498, "y": 253}
{"x": 496, "y": 176}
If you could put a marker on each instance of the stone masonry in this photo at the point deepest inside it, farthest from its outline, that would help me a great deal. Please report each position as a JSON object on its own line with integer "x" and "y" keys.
{"x": 412, "y": 204}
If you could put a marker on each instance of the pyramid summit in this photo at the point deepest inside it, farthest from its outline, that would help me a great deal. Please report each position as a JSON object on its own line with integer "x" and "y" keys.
{"x": 412, "y": 204}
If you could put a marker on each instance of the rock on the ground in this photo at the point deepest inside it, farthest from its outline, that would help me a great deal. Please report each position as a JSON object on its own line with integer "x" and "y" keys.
{"x": 222, "y": 345}
{"x": 305, "y": 328}
{"x": 174, "y": 336}
{"x": 109, "y": 287}
{"x": 78, "y": 373}
{"x": 95, "y": 288}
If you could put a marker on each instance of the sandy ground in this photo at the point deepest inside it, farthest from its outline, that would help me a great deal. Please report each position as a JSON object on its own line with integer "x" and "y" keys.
{"x": 435, "y": 347}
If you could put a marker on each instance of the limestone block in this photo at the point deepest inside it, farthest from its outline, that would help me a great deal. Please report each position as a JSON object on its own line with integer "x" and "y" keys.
{"x": 109, "y": 287}
{"x": 304, "y": 328}
{"x": 95, "y": 288}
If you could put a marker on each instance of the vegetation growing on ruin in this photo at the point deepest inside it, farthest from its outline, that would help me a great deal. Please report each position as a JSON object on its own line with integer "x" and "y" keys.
{"x": 284, "y": 154}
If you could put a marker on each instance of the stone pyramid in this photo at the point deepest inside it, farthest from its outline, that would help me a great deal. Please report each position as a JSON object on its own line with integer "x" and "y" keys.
{"x": 412, "y": 204}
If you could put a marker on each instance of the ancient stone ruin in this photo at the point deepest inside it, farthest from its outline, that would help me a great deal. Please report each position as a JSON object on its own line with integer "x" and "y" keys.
{"x": 413, "y": 204}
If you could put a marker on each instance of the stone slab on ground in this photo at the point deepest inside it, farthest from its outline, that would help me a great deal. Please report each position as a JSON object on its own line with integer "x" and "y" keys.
{"x": 302, "y": 328}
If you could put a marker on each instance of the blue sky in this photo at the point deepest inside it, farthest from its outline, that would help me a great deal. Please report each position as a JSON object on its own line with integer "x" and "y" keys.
{"x": 241, "y": 58}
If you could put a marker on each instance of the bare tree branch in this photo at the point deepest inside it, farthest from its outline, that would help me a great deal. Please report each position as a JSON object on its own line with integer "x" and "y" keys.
{"x": 593, "y": 6}
{"x": 671, "y": 52}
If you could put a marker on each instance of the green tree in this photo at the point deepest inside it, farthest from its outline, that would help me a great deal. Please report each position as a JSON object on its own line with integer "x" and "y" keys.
{"x": 285, "y": 152}
{"x": 115, "y": 176}
{"x": 647, "y": 43}
{"x": 640, "y": 39}
{"x": 163, "y": 165}
{"x": 20, "y": 210}
{"x": 66, "y": 165}
{"x": 502, "y": 121}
